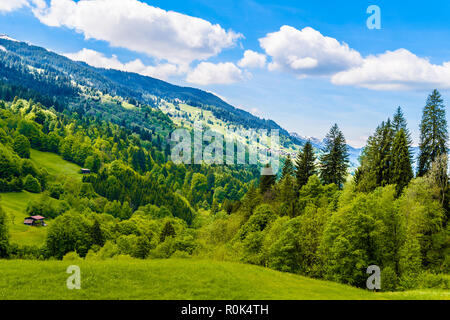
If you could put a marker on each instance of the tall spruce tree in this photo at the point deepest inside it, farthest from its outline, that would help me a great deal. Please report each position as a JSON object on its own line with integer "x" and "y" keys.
{"x": 305, "y": 164}
{"x": 376, "y": 160}
{"x": 385, "y": 154}
{"x": 399, "y": 122}
{"x": 334, "y": 161}
{"x": 402, "y": 172}
{"x": 288, "y": 168}
{"x": 433, "y": 132}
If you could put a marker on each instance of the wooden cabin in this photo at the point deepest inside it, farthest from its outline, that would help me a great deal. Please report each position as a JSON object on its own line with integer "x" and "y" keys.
{"x": 85, "y": 171}
{"x": 35, "y": 221}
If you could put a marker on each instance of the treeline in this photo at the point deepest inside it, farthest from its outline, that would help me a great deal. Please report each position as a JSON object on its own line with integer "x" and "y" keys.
{"x": 125, "y": 167}
{"x": 304, "y": 223}
{"x": 315, "y": 220}
{"x": 131, "y": 176}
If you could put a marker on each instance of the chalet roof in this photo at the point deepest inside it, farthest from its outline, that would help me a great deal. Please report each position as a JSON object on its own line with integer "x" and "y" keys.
{"x": 37, "y": 217}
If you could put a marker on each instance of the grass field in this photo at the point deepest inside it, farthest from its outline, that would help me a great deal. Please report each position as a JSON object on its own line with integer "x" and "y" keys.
{"x": 55, "y": 165}
{"x": 174, "y": 279}
{"x": 15, "y": 204}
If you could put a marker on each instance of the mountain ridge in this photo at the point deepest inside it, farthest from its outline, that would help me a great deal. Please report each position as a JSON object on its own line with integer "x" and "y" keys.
{"x": 26, "y": 60}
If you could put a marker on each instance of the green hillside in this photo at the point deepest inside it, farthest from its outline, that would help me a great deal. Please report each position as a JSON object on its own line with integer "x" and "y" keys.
{"x": 55, "y": 165}
{"x": 15, "y": 203}
{"x": 172, "y": 279}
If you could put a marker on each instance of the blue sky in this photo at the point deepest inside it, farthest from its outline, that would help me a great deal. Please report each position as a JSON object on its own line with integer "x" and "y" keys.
{"x": 310, "y": 64}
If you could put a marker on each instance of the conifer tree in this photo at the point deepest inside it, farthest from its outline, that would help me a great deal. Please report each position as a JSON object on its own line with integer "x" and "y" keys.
{"x": 376, "y": 159}
{"x": 401, "y": 162}
{"x": 334, "y": 161}
{"x": 96, "y": 234}
{"x": 433, "y": 132}
{"x": 399, "y": 122}
{"x": 385, "y": 154}
{"x": 305, "y": 164}
{"x": 288, "y": 168}
{"x": 167, "y": 231}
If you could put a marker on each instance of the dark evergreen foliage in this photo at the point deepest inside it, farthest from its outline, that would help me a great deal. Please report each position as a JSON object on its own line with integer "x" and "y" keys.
{"x": 433, "y": 132}
{"x": 334, "y": 161}
{"x": 305, "y": 165}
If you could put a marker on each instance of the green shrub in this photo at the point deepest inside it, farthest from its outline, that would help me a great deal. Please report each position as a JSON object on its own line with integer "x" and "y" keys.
{"x": 434, "y": 281}
{"x": 71, "y": 256}
{"x": 31, "y": 184}
{"x": 56, "y": 190}
{"x": 22, "y": 146}
{"x": 389, "y": 279}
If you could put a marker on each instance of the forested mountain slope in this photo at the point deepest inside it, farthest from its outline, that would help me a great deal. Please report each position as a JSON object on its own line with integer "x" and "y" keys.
{"x": 66, "y": 77}
{"x": 123, "y": 98}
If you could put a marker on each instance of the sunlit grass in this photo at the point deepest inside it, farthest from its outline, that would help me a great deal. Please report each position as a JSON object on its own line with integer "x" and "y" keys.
{"x": 55, "y": 164}
{"x": 174, "y": 279}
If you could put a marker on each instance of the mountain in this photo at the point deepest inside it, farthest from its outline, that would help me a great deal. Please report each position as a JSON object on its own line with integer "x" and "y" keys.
{"x": 135, "y": 101}
{"x": 354, "y": 153}
{"x": 46, "y": 65}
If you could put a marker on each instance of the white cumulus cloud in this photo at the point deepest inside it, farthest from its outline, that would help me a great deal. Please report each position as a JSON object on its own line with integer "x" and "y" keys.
{"x": 396, "y": 70}
{"x": 131, "y": 24}
{"x": 99, "y": 60}
{"x": 11, "y": 5}
{"x": 307, "y": 52}
{"x": 209, "y": 73}
{"x": 252, "y": 59}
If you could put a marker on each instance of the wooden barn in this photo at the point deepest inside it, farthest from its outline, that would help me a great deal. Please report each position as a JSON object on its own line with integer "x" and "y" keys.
{"x": 35, "y": 221}
{"x": 85, "y": 171}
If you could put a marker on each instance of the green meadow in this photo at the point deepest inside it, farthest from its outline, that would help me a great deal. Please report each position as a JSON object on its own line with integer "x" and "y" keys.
{"x": 175, "y": 279}
{"x": 55, "y": 164}
{"x": 15, "y": 203}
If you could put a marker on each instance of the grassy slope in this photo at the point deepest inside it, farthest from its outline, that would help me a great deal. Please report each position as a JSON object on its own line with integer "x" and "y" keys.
{"x": 173, "y": 279}
{"x": 154, "y": 279}
{"x": 215, "y": 124}
{"x": 55, "y": 165}
{"x": 16, "y": 203}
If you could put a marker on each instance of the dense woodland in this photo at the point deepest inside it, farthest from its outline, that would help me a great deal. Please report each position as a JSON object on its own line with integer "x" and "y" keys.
{"x": 313, "y": 218}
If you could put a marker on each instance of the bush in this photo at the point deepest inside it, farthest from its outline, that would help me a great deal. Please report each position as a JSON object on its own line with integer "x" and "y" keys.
{"x": 31, "y": 184}
{"x": 434, "y": 281}
{"x": 22, "y": 146}
{"x": 389, "y": 279}
{"x": 71, "y": 256}
{"x": 69, "y": 232}
{"x": 56, "y": 190}
{"x": 25, "y": 252}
